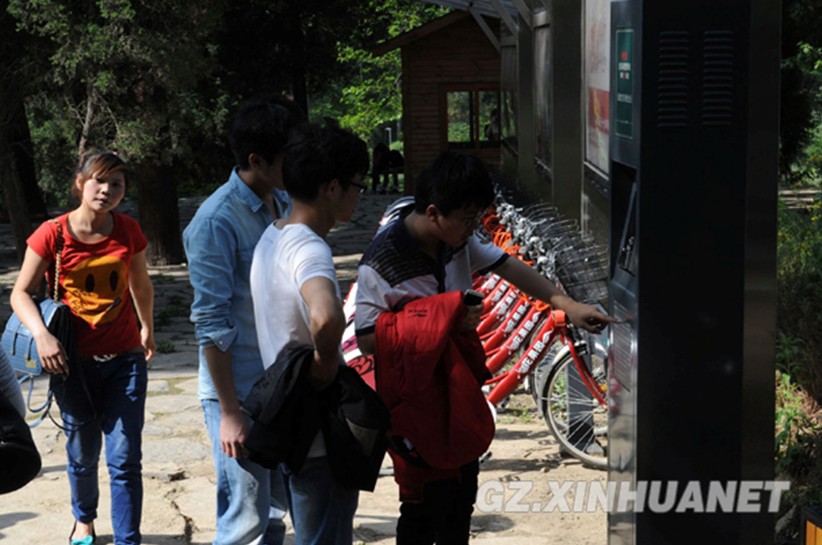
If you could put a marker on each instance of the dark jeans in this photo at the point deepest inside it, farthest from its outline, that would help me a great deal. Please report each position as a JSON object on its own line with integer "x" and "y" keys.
{"x": 444, "y": 516}
{"x": 118, "y": 388}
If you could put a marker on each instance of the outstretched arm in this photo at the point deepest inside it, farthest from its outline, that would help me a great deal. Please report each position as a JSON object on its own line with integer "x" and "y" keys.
{"x": 534, "y": 284}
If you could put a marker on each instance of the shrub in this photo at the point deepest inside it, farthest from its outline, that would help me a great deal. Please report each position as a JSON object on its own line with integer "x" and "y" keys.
{"x": 798, "y": 420}
{"x": 799, "y": 296}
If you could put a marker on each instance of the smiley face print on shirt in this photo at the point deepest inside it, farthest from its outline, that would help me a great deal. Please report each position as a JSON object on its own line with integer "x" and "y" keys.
{"x": 95, "y": 288}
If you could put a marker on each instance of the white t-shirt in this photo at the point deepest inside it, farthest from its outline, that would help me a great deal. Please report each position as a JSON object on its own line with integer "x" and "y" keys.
{"x": 283, "y": 260}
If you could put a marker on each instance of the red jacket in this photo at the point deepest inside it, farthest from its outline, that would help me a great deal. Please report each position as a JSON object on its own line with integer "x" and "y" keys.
{"x": 429, "y": 374}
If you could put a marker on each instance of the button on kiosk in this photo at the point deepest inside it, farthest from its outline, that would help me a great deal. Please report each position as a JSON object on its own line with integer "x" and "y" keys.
{"x": 693, "y": 168}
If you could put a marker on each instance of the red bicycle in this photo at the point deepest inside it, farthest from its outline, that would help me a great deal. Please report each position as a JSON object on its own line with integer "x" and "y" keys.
{"x": 526, "y": 340}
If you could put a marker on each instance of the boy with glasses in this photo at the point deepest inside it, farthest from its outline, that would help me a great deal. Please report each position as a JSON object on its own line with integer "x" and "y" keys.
{"x": 429, "y": 249}
{"x": 297, "y": 302}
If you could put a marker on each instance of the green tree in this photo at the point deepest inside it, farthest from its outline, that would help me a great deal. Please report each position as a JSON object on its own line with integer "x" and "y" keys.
{"x": 129, "y": 75}
{"x": 370, "y": 93}
{"x": 156, "y": 80}
{"x": 287, "y": 46}
{"x": 20, "y": 56}
{"x": 801, "y": 99}
{"x": 320, "y": 54}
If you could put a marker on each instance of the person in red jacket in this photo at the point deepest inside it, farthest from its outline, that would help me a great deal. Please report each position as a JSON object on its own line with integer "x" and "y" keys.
{"x": 431, "y": 248}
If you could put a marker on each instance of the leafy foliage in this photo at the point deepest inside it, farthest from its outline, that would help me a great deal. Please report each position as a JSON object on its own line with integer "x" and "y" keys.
{"x": 799, "y": 295}
{"x": 123, "y": 74}
{"x": 801, "y": 90}
{"x": 797, "y": 428}
{"x": 798, "y": 348}
{"x": 370, "y": 94}
{"x": 798, "y": 452}
{"x": 156, "y": 80}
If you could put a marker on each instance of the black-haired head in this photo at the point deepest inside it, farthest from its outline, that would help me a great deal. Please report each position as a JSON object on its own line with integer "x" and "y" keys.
{"x": 454, "y": 182}
{"x": 262, "y": 126}
{"x": 315, "y": 155}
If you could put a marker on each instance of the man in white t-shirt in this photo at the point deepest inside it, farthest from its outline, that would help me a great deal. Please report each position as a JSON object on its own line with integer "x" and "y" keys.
{"x": 297, "y": 303}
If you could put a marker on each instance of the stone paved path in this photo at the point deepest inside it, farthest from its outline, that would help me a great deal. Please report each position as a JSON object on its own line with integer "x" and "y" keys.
{"x": 179, "y": 490}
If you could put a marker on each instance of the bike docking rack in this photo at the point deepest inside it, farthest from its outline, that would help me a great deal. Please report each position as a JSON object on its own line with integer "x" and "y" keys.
{"x": 527, "y": 342}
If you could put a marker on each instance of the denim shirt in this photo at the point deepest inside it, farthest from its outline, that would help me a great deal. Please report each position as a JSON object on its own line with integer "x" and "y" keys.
{"x": 219, "y": 243}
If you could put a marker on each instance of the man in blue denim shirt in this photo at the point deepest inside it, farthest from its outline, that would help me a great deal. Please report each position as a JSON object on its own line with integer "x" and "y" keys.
{"x": 219, "y": 243}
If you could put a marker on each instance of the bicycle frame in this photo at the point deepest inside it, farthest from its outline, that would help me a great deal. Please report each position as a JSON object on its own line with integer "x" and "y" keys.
{"x": 498, "y": 357}
{"x": 507, "y": 382}
{"x": 494, "y": 339}
{"x": 498, "y": 312}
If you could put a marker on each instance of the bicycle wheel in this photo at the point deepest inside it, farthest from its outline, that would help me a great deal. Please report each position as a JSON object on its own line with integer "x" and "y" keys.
{"x": 538, "y": 380}
{"x": 574, "y": 416}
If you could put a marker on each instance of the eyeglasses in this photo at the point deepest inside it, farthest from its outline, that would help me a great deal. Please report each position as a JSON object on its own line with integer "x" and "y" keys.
{"x": 363, "y": 187}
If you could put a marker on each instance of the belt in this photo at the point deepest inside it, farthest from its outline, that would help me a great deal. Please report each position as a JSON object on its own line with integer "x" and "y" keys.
{"x": 103, "y": 358}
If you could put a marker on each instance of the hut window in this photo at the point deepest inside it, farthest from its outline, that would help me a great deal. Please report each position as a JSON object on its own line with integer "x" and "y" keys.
{"x": 473, "y": 118}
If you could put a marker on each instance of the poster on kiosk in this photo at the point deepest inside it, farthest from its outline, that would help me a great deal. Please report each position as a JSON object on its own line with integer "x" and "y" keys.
{"x": 692, "y": 168}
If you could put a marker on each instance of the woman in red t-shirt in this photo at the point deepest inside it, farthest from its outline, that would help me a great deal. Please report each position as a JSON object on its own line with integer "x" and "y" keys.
{"x": 102, "y": 272}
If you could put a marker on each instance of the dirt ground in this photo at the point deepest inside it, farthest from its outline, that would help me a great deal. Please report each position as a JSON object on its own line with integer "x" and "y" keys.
{"x": 524, "y": 458}
{"x": 178, "y": 472}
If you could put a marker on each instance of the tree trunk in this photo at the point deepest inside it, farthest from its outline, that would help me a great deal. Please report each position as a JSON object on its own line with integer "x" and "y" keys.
{"x": 23, "y": 150}
{"x": 300, "y": 87}
{"x": 298, "y": 84}
{"x": 16, "y": 155}
{"x": 13, "y": 194}
{"x": 91, "y": 96}
{"x": 159, "y": 212}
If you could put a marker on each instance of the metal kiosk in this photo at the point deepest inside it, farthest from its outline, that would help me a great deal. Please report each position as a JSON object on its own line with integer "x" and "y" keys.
{"x": 693, "y": 166}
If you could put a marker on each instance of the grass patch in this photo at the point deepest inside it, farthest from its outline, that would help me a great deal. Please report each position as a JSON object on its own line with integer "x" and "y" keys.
{"x": 161, "y": 278}
{"x": 174, "y": 309}
{"x": 519, "y": 409}
{"x": 165, "y": 347}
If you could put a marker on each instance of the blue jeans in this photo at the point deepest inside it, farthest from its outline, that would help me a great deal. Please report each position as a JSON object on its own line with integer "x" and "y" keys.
{"x": 321, "y": 510}
{"x": 118, "y": 391}
{"x": 251, "y": 500}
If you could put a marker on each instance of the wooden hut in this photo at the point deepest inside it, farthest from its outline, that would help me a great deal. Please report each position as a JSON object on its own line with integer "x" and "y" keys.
{"x": 450, "y": 90}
